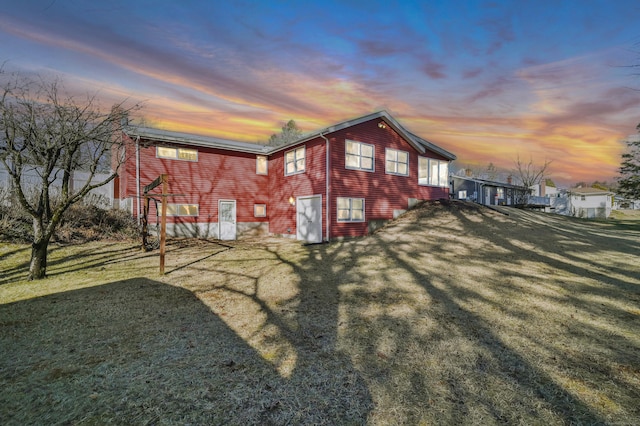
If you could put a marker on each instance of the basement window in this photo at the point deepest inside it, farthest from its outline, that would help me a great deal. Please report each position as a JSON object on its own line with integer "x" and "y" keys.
{"x": 350, "y": 209}
{"x": 176, "y": 153}
{"x": 260, "y": 210}
{"x": 180, "y": 209}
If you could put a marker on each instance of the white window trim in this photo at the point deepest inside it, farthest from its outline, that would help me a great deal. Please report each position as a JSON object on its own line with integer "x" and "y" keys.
{"x": 178, "y": 209}
{"x": 373, "y": 158}
{"x": 266, "y": 172}
{"x": 429, "y": 160}
{"x": 255, "y": 212}
{"x": 350, "y": 220}
{"x": 177, "y": 150}
{"x": 296, "y": 172}
{"x": 397, "y": 162}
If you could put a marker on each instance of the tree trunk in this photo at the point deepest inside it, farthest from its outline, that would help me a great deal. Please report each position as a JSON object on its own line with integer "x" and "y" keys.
{"x": 38, "y": 265}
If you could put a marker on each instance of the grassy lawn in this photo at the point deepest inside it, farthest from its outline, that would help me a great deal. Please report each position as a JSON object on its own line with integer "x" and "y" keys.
{"x": 453, "y": 314}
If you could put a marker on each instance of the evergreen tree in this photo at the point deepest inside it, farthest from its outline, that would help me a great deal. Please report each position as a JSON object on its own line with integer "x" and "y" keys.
{"x": 629, "y": 180}
{"x": 290, "y": 132}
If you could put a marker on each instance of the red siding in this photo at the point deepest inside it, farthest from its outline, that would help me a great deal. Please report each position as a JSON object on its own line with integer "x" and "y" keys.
{"x": 221, "y": 174}
{"x": 282, "y": 217}
{"x": 383, "y": 193}
{"x": 217, "y": 174}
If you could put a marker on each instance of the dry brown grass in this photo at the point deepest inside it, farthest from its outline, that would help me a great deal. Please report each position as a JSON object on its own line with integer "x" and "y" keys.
{"x": 454, "y": 314}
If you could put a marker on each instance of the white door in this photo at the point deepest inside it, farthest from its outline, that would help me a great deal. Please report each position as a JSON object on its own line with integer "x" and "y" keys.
{"x": 227, "y": 219}
{"x": 487, "y": 196}
{"x": 309, "y": 219}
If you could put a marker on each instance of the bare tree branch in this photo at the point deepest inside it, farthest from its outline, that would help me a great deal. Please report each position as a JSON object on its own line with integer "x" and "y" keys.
{"x": 42, "y": 129}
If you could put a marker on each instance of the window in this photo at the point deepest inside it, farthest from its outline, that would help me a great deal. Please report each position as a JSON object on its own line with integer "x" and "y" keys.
{"x": 350, "y": 209}
{"x": 433, "y": 172}
{"x": 359, "y": 156}
{"x": 397, "y": 162}
{"x": 500, "y": 192}
{"x": 177, "y": 153}
{"x": 260, "y": 210}
{"x": 583, "y": 198}
{"x": 180, "y": 209}
{"x": 462, "y": 195}
{"x": 294, "y": 161}
{"x": 261, "y": 165}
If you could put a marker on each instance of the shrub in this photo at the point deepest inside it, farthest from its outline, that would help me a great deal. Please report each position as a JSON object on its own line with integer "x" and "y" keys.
{"x": 82, "y": 222}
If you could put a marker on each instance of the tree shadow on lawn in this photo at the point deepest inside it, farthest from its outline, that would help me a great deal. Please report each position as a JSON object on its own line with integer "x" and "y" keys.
{"x": 440, "y": 347}
{"x": 94, "y": 255}
{"x": 144, "y": 352}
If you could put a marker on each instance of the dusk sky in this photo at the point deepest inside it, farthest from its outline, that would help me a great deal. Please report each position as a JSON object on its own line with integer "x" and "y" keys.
{"x": 486, "y": 80}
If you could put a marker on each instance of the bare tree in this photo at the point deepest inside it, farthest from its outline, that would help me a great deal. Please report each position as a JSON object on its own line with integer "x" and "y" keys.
{"x": 528, "y": 175}
{"x": 492, "y": 172}
{"x": 49, "y": 134}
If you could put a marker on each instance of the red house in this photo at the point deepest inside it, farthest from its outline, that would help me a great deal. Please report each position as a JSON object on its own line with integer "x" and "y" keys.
{"x": 341, "y": 181}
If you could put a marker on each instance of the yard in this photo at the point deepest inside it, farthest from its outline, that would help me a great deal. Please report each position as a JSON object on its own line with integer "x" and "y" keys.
{"x": 453, "y": 314}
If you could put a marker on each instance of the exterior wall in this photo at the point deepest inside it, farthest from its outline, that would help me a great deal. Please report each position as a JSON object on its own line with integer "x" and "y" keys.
{"x": 280, "y": 212}
{"x": 229, "y": 175}
{"x": 594, "y": 205}
{"x": 31, "y": 181}
{"x": 216, "y": 175}
{"x": 472, "y": 188}
{"x": 485, "y": 193}
{"x": 384, "y": 194}
{"x": 125, "y": 183}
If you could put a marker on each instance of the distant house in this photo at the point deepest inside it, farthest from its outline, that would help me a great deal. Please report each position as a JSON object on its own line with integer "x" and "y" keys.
{"x": 622, "y": 203}
{"x": 341, "y": 181}
{"x": 31, "y": 180}
{"x": 590, "y": 202}
{"x": 487, "y": 192}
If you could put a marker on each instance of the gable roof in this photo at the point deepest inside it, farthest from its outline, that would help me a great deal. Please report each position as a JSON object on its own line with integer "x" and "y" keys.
{"x": 196, "y": 140}
{"x": 589, "y": 191}
{"x": 421, "y": 145}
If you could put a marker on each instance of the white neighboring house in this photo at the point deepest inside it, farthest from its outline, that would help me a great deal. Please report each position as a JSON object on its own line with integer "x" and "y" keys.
{"x": 590, "y": 202}
{"x": 101, "y": 197}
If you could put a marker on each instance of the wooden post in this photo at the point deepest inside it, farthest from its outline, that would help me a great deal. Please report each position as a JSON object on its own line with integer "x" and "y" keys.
{"x": 145, "y": 222}
{"x": 163, "y": 226}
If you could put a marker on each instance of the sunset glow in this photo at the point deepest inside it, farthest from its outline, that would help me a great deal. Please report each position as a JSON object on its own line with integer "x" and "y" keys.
{"x": 488, "y": 81}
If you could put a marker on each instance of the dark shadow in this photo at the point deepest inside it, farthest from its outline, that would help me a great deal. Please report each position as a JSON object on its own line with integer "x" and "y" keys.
{"x": 143, "y": 352}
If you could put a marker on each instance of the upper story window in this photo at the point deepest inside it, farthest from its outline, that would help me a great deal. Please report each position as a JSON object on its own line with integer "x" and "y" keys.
{"x": 359, "y": 156}
{"x": 294, "y": 161}
{"x": 177, "y": 153}
{"x": 433, "y": 172}
{"x": 261, "y": 165}
{"x": 397, "y": 162}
